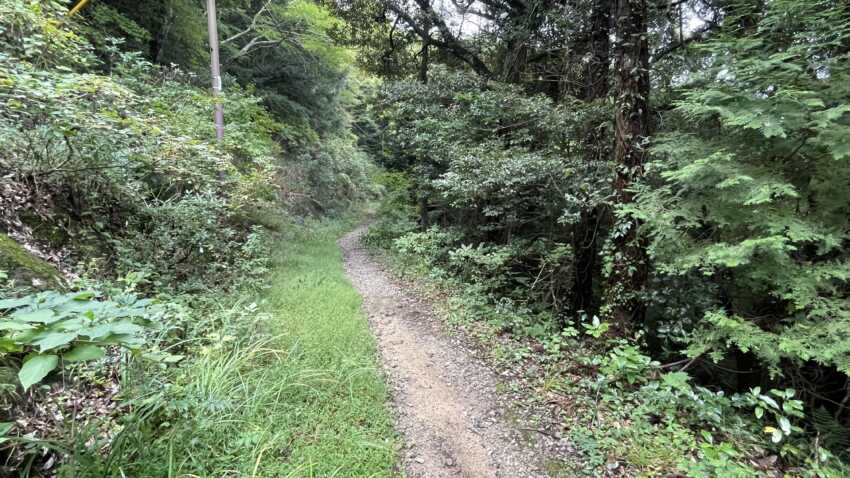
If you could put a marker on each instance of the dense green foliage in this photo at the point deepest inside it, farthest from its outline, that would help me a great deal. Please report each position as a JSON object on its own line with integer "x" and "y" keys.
{"x": 70, "y": 327}
{"x": 106, "y": 158}
{"x": 163, "y": 238}
{"x": 643, "y": 202}
{"x": 502, "y": 170}
{"x": 731, "y": 233}
{"x": 267, "y": 393}
{"x": 751, "y": 194}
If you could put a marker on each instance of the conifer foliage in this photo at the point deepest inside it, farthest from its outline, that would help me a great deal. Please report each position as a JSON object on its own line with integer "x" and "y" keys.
{"x": 751, "y": 190}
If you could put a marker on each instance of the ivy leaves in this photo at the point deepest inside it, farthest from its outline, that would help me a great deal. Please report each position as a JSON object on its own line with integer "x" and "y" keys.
{"x": 73, "y": 327}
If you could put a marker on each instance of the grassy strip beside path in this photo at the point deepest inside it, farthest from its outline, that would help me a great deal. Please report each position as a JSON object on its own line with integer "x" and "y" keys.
{"x": 285, "y": 388}
{"x": 335, "y": 421}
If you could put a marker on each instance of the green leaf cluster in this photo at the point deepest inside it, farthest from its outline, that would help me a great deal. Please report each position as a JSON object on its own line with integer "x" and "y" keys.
{"x": 71, "y": 327}
{"x": 507, "y": 171}
{"x": 126, "y": 159}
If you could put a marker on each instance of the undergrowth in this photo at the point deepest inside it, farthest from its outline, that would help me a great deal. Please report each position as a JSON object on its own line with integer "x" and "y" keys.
{"x": 279, "y": 380}
{"x": 626, "y": 414}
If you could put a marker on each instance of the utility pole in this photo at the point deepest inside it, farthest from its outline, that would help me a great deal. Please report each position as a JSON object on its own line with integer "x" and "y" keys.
{"x": 212, "y": 25}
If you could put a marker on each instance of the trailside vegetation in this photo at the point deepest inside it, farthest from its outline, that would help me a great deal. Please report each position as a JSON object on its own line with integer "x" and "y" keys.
{"x": 640, "y": 206}
{"x": 647, "y": 199}
{"x": 151, "y": 319}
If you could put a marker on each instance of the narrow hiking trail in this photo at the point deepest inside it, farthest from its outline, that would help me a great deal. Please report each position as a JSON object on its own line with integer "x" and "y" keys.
{"x": 443, "y": 396}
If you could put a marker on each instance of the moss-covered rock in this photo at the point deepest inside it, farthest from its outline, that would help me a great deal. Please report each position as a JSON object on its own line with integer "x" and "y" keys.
{"x": 24, "y": 267}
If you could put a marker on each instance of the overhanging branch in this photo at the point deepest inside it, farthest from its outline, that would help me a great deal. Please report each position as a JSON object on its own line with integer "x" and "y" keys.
{"x": 447, "y": 41}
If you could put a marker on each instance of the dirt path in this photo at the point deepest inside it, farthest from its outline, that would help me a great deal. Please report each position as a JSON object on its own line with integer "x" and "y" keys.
{"x": 444, "y": 397}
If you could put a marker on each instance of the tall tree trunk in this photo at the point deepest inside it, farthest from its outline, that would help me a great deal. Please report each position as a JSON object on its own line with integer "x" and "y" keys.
{"x": 515, "y": 58}
{"x": 599, "y": 43}
{"x": 630, "y": 265}
{"x": 424, "y": 217}
{"x": 425, "y": 58}
{"x": 423, "y": 63}
{"x": 160, "y": 38}
{"x": 586, "y": 231}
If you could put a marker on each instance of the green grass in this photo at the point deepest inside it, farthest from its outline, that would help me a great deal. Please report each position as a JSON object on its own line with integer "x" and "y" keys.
{"x": 287, "y": 389}
{"x": 337, "y": 413}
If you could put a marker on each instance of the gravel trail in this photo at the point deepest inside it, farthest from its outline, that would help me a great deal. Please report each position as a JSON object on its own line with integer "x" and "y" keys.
{"x": 444, "y": 398}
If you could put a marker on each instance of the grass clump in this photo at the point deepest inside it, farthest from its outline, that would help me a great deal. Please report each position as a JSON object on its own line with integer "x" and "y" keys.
{"x": 279, "y": 383}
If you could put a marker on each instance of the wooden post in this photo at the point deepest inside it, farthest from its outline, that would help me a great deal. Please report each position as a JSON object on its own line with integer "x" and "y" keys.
{"x": 79, "y": 6}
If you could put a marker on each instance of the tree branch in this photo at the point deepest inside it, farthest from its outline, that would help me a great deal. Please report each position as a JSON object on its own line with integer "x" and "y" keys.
{"x": 696, "y": 36}
{"x": 251, "y": 27}
{"x": 447, "y": 40}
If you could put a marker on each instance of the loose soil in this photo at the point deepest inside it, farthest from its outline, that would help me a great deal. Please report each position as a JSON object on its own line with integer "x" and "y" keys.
{"x": 445, "y": 398}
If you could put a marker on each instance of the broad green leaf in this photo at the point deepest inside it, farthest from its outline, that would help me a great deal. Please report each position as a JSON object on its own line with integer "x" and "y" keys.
{"x": 82, "y": 296}
{"x": 44, "y": 316}
{"x": 785, "y": 425}
{"x": 163, "y": 357}
{"x": 52, "y": 340}
{"x": 83, "y": 352}
{"x": 35, "y": 368}
{"x": 676, "y": 380}
{"x": 14, "y": 303}
{"x": 14, "y": 326}
{"x": 9, "y": 345}
{"x": 770, "y": 401}
{"x": 173, "y": 358}
{"x": 79, "y": 306}
{"x": 126, "y": 340}
{"x": 4, "y": 429}
{"x": 72, "y": 325}
{"x": 125, "y": 328}
{"x": 96, "y": 332}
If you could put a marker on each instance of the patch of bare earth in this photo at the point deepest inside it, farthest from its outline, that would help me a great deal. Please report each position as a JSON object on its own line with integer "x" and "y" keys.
{"x": 445, "y": 398}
